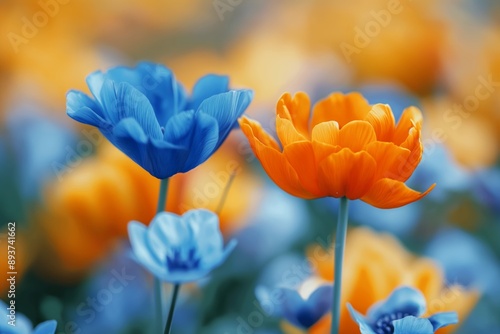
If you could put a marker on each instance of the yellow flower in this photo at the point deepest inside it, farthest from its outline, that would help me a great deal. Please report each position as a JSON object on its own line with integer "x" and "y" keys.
{"x": 346, "y": 148}
{"x": 375, "y": 265}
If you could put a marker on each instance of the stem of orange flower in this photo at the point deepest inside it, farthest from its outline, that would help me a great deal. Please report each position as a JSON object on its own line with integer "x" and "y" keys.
{"x": 158, "y": 295}
{"x": 172, "y": 308}
{"x": 339, "y": 259}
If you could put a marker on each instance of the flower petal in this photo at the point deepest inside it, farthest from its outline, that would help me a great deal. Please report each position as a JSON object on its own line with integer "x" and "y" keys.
{"x": 360, "y": 320}
{"x": 226, "y": 108}
{"x": 382, "y": 120}
{"x": 443, "y": 319}
{"x": 392, "y": 160}
{"x": 387, "y": 193}
{"x": 47, "y": 327}
{"x": 341, "y": 108}
{"x": 347, "y": 173}
{"x": 286, "y": 132}
{"x": 121, "y": 100}
{"x": 207, "y": 235}
{"x": 356, "y": 135}
{"x": 411, "y": 117}
{"x": 412, "y": 325}
{"x": 273, "y": 161}
{"x": 95, "y": 80}
{"x": 326, "y": 132}
{"x": 405, "y": 300}
{"x": 297, "y": 110}
{"x": 415, "y": 146}
{"x": 143, "y": 252}
{"x": 167, "y": 231}
{"x": 320, "y": 301}
{"x": 301, "y": 157}
{"x": 207, "y": 86}
{"x": 83, "y": 109}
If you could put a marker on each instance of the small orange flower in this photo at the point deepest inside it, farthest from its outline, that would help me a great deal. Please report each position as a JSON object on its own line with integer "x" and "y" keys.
{"x": 346, "y": 148}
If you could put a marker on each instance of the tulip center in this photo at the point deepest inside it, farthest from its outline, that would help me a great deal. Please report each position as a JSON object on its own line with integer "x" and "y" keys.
{"x": 176, "y": 261}
{"x": 384, "y": 323}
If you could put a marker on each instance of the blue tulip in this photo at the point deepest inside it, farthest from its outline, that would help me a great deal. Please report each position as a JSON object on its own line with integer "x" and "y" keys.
{"x": 179, "y": 249}
{"x": 400, "y": 314}
{"x": 145, "y": 113}
{"x": 289, "y": 304}
{"x": 22, "y": 324}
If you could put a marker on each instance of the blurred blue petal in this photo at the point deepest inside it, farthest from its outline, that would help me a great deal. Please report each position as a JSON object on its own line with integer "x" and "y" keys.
{"x": 21, "y": 324}
{"x": 439, "y": 320}
{"x": 412, "y": 325}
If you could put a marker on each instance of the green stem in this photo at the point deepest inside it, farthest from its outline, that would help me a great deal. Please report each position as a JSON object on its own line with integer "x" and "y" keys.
{"x": 225, "y": 193}
{"x": 172, "y": 308}
{"x": 162, "y": 198}
{"x": 339, "y": 259}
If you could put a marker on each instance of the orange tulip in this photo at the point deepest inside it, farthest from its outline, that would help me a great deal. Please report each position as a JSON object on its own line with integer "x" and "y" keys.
{"x": 346, "y": 148}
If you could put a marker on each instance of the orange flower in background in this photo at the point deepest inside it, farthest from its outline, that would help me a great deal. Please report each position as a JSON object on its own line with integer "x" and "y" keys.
{"x": 375, "y": 265}
{"x": 89, "y": 206}
{"x": 347, "y": 148}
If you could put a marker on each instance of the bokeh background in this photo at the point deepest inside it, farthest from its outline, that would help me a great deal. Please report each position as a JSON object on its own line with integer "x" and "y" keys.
{"x": 71, "y": 194}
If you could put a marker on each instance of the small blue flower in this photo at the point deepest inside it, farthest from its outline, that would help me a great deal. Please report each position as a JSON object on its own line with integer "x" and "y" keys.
{"x": 23, "y": 324}
{"x": 144, "y": 112}
{"x": 180, "y": 249}
{"x": 399, "y": 314}
{"x": 289, "y": 304}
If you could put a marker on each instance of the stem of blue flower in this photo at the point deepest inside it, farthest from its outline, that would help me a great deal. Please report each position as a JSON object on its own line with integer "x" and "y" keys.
{"x": 172, "y": 308}
{"x": 339, "y": 259}
{"x": 162, "y": 198}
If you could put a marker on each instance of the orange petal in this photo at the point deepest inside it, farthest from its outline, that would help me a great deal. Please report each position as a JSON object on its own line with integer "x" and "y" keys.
{"x": 356, "y": 135}
{"x": 392, "y": 160}
{"x": 300, "y": 155}
{"x": 273, "y": 161}
{"x": 411, "y": 117}
{"x": 382, "y": 120}
{"x": 388, "y": 194}
{"x": 347, "y": 173}
{"x": 341, "y": 108}
{"x": 253, "y": 129}
{"x": 296, "y": 109}
{"x": 415, "y": 146}
{"x": 326, "y": 132}
{"x": 287, "y": 132}
{"x": 322, "y": 150}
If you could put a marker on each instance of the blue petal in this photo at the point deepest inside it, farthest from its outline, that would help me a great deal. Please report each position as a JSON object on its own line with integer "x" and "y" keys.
{"x": 143, "y": 252}
{"x": 121, "y": 100}
{"x": 226, "y": 108}
{"x": 231, "y": 245}
{"x": 47, "y": 327}
{"x": 412, "y": 325}
{"x": 207, "y": 86}
{"x": 443, "y": 319}
{"x": 129, "y": 137}
{"x": 83, "y": 109}
{"x": 205, "y": 140}
{"x": 320, "y": 301}
{"x": 405, "y": 299}
{"x": 95, "y": 81}
{"x": 294, "y": 307}
{"x": 360, "y": 320}
{"x": 168, "y": 231}
{"x": 164, "y": 159}
{"x": 265, "y": 297}
{"x": 205, "y": 225}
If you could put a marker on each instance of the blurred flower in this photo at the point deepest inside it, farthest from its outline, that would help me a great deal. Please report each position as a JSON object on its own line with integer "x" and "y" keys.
{"x": 348, "y": 149}
{"x": 297, "y": 308}
{"x": 144, "y": 112}
{"x": 399, "y": 314}
{"x": 22, "y": 324}
{"x": 486, "y": 185}
{"x": 375, "y": 265}
{"x": 180, "y": 249}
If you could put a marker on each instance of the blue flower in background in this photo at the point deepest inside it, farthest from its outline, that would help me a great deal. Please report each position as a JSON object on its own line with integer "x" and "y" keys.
{"x": 289, "y": 304}
{"x": 22, "y": 324}
{"x": 399, "y": 314}
{"x": 180, "y": 249}
{"x": 145, "y": 113}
